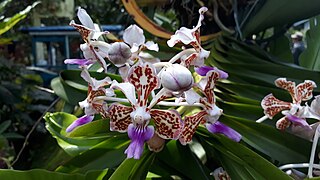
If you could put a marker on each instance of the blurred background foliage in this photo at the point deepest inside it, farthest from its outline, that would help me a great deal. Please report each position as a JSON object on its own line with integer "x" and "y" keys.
{"x": 249, "y": 39}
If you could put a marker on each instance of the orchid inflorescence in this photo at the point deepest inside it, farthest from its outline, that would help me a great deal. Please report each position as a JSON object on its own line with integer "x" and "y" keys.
{"x": 147, "y": 82}
{"x": 295, "y": 113}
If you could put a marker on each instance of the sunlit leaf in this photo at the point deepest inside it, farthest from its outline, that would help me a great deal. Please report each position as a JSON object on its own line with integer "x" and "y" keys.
{"x": 41, "y": 174}
{"x": 310, "y": 58}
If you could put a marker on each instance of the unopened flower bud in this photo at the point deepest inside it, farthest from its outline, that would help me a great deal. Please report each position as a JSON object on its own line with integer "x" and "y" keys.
{"x": 119, "y": 53}
{"x": 177, "y": 78}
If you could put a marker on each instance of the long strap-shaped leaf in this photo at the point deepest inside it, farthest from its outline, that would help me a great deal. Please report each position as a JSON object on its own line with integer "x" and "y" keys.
{"x": 134, "y": 10}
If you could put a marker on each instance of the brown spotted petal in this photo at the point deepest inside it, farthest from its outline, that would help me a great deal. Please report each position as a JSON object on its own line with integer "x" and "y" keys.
{"x": 304, "y": 90}
{"x": 283, "y": 123}
{"x": 212, "y": 77}
{"x": 191, "y": 123}
{"x": 101, "y": 107}
{"x": 145, "y": 80}
{"x": 189, "y": 60}
{"x": 119, "y": 117}
{"x": 272, "y": 106}
{"x": 168, "y": 123}
{"x": 288, "y": 86}
{"x": 84, "y": 31}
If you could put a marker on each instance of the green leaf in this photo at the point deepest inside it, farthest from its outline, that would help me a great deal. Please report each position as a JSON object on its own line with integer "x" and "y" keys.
{"x": 6, "y": 96}
{"x": 41, "y": 174}
{"x": 240, "y": 162}
{"x": 72, "y": 88}
{"x": 134, "y": 169}
{"x": 107, "y": 154}
{"x": 280, "y": 47}
{"x": 8, "y": 23}
{"x": 278, "y": 13}
{"x": 3, "y": 4}
{"x": 182, "y": 159}
{"x": 310, "y": 58}
{"x": 5, "y": 41}
{"x": 69, "y": 94}
{"x": 56, "y": 123}
{"x": 4, "y": 126}
{"x": 279, "y": 146}
{"x": 13, "y": 136}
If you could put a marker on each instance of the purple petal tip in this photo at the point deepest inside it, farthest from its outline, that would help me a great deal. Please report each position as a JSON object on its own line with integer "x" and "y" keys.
{"x": 203, "y": 70}
{"x": 80, "y": 121}
{"x": 298, "y": 121}
{"x": 80, "y": 62}
{"x": 138, "y": 136}
{"x": 220, "y": 128}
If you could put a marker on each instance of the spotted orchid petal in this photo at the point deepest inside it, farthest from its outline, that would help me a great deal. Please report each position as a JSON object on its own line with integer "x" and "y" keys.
{"x": 83, "y": 30}
{"x": 138, "y": 136}
{"x": 304, "y": 90}
{"x": 88, "y": 30}
{"x": 287, "y": 85}
{"x": 188, "y": 61}
{"x": 168, "y": 123}
{"x": 191, "y": 123}
{"x": 212, "y": 77}
{"x": 80, "y": 62}
{"x": 145, "y": 80}
{"x": 119, "y": 117}
{"x": 151, "y": 46}
{"x": 283, "y": 123}
{"x": 296, "y": 120}
{"x": 272, "y": 106}
{"x": 84, "y": 18}
{"x": 133, "y": 36}
{"x": 188, "y": 36}
{"x": 203, "y": 70}
{"x": 301, "y": 92}
{"x": 80, "y": 121}
{"x": 128, "y": 90}
{"x": 220, "y": 128}
{"x": 92, "y": 104}
{"x": 160, "y": 96}
{"x": 101, "y": 107}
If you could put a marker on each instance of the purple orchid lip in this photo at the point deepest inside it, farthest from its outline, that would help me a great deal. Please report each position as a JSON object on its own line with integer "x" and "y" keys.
{"x": 203, "y": 70}
{"x": 80, "y": 121}
{"x": 219, "y": 127}
{"x": 297, "y": 121}
{"x": 138, "y": 136}
{"x": 80, "y": 62}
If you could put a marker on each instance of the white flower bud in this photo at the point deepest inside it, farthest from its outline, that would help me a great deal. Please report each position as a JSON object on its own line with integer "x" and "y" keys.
{"x": 176, "y": 78}
{"x": 119, "y": 53}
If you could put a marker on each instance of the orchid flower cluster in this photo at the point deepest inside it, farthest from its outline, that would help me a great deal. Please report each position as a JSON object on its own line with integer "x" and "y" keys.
{"x": 294, "y": 112}
{"x": 147, "y": 82}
